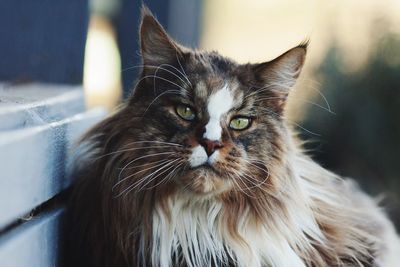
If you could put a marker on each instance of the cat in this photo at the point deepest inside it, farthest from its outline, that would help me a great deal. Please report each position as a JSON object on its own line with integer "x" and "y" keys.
{"x": 200, "y": 168}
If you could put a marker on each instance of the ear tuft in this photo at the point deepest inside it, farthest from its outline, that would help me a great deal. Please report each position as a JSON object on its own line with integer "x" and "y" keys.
{"x": 145, "y": 11}
{"x": 304, "y": 44}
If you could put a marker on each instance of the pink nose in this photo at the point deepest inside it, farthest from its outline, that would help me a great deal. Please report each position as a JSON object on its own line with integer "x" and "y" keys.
{"x": 210, "y": 145}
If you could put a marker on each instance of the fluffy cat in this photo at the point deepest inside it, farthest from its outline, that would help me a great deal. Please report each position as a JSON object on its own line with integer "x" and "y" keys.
{"x": 200, "y": 168}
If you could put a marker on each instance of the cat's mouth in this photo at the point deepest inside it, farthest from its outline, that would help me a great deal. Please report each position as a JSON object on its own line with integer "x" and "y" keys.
{"x": 205, "y": 179}
{"x": 207, "y": 167}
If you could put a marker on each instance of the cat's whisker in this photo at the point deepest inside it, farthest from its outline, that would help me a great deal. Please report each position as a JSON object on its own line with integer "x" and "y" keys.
{"x": 145, "y": 164}
{"x": 254, "y": 160}
{"x": 130, "y": 149}
{"x": 237, "y": 177}
{"x": 162, "y": 68}
{"x": 143, "y": 157}
{"x": 164, "y": 79}
{"x": 131, "y": 175}
{"x": 235, "y": 180}
{"x": 156, "y": 76}
{"x": 277, "y": 85}
{"x": 153, "y": 178}
{"x": 319, "y": 92}
{"x": 139, "y": 184}
{"x": 260, "y": 185}
{"x": 160, "y": 95}
{"x": 172, "y": 173}
{"x": 255, "y": 183}
{"x": 153, "y": 141}
{"x": 161, "y": 78}
{"x": 328, "y": 109}
{"x": 184, "y": 73}
{"x": 170, "y": 164}
{"x": 142, "y": 170}
{"x": 168, "y": 177}
{"x": 187, "y": 82}
{"x": 257, "y": 91}
{"x": 251, "y": 162}
{"x": 131, "y": 187}
{"x": 249, "y": 179}
{"x": 232, "y": 177}
{"x": 269, "y": 112}
{"x": 268, "y": 88}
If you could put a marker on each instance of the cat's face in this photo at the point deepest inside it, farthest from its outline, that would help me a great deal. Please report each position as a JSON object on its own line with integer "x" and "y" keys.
{"x": 216, "y": 122}
{"x": 220, "y": 123}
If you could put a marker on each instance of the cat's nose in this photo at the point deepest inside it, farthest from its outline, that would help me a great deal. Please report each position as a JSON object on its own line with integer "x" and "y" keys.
{"x": 210, "y": 145}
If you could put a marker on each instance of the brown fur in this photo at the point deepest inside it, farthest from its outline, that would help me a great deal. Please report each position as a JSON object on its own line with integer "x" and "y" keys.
{"x": 112, "y": 209}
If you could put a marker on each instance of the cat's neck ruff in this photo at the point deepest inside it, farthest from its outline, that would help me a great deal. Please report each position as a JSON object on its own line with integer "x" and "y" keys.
{"x": 197, "y": 228}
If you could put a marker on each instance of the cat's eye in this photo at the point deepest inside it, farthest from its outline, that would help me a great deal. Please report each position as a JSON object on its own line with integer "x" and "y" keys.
{"x": 185, "y": 112}
{"x": 240, "y": 123}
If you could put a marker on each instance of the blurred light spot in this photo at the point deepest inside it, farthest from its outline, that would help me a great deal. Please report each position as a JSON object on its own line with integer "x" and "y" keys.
{"x": 102, "y": 69}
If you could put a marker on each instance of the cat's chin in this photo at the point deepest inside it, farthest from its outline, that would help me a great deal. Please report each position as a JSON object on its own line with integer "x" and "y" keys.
{"x": 205, "y": 180}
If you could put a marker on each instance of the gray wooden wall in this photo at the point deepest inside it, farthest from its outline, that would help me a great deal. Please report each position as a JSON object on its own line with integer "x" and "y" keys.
{"x": 39, "y": 123}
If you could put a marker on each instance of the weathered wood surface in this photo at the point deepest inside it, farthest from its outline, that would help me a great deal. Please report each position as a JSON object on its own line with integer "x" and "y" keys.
{"x": 41, "y": 130}
{"x": 35, "y": 243}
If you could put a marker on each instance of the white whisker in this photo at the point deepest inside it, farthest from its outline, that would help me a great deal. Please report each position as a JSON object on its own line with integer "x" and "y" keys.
{"x": 184, "y": 73}
{"x": 160, "y": 95}
{"x": 164, "y": 69}
{"x": 153, "y": 141}
{"x": 168, "y": 177}
{"x": 130, "y": 149}
{"x": 142, "y": 170}
{"x": 143, "y": 157}
{"x": 268, "y": 111}
{"x": 328, "y": 109}
{"x": 140, "y": 182}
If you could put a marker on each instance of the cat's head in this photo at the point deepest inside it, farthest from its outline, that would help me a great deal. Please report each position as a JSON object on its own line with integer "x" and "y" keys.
{"x": 219, "y": 124}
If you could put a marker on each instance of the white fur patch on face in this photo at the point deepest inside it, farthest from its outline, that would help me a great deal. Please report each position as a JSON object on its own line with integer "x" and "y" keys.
{"x": 213, "y": 158}
{"x": 218, "y": 104}
{"x": 198, "y": 156}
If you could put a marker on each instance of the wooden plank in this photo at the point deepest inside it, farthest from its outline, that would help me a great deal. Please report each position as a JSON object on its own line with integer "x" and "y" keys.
{"x": 33, "y": 243}
{"x": 32, "y": 163}
{"x": 28, "y": 105}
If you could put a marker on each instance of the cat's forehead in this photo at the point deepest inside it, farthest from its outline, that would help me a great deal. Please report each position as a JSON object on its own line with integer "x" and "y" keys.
{"x": 211, "y": 62}
{"x": 212, "y": 84}
{"x": 214, "y": 76}
{"x": 218, "y": 91}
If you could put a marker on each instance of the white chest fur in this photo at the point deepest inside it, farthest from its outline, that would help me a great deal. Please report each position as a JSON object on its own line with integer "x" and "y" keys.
{"x": 197, "y": 230}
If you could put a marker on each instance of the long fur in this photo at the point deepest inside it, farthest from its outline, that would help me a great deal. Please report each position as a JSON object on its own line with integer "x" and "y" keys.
{"x": 137, "y": 201}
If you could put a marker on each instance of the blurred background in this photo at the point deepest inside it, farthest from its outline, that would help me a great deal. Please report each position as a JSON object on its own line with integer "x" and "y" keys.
{"x": 346, "y": 103}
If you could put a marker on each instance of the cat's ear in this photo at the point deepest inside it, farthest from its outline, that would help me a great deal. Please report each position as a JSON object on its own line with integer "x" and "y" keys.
{"x": 156, "y": 46}
{"x": 280, "y": 74}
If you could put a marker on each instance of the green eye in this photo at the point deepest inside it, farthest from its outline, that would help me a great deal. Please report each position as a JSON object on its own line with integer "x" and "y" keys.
{"x": 185, "y": 112}
{"x": 239, "y": 123}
